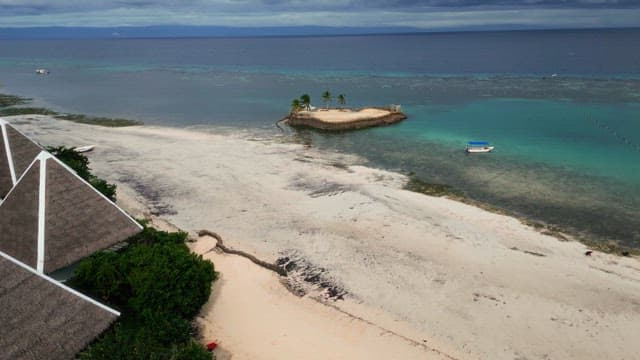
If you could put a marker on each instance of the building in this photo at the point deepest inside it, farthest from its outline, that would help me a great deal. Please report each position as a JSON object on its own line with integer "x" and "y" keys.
{"x": 50, "y": 218}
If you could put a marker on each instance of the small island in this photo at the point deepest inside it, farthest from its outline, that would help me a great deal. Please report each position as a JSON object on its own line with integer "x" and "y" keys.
{"x": 302, "y": 114}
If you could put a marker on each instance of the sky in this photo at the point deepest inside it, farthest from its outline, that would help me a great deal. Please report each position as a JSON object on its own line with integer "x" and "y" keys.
{"x": 425, "y": 15}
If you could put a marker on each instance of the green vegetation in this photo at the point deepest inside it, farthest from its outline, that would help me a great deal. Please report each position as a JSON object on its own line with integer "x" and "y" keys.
{"x": 304, "y": 102}
{"x": 80, "y": 164}
{"x": 326, "y": 97}
{"x": 11, "y": 100}
{"x": 305, "y": 99}
{"x": 423, "y": 187}
{"x": 100, "y": 121}
{"x": 8, "y": 107}
{"x": 11, "y": 111}
{"x": 342, "y": 100}
{"x": 296, "y": 105}
{"x": 159, "y": 286}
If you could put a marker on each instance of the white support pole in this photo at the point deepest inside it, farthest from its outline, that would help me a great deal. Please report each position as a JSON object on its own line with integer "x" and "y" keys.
{"x": 7, "y": 150}
{"x": 42, "y": 157}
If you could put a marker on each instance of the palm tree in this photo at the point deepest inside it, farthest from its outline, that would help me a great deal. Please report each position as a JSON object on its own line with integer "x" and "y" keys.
{"x": 305, "y": 99}
{"x": 295, "y": 105}
{"x": 326, "y": 96}
{"x": 342, "y": 100}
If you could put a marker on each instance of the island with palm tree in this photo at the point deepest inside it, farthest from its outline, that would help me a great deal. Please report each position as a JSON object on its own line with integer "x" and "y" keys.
{"x": 303, "y": 114}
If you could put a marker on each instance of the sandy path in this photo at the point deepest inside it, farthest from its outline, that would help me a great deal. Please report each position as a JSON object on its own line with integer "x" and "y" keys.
{"x": 462, "y": 278}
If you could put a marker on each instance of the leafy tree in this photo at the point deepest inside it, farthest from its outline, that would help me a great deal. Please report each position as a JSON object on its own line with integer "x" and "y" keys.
{"x": 295, "y": 105}
{"x": 73, "y": 159}
{"x": 326, "y": 97}
{"x": 342, "y": 100}
{"x": 305, "y": 99}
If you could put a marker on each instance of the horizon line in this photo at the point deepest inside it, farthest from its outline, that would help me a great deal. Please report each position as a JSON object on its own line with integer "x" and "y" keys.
{"x": 400, "y": 31}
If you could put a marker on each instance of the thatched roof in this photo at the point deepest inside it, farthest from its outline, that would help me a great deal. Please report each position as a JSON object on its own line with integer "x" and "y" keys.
{"x": 16, "y": 153}
{"x": 19, "y": 219}
{"x": 43, "y": 319}
{"x": 52, "y": 218}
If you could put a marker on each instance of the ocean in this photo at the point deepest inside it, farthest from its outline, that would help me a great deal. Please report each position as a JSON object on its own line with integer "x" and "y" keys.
{"x": 561, "y": 107}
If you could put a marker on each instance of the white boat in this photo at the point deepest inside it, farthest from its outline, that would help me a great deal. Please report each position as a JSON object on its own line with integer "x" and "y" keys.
{"x": 83, "y": 149}
{"x": 478, "y": 147}
{"x": 42, "y": 71}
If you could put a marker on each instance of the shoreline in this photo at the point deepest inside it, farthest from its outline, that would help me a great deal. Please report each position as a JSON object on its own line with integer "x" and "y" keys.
{"x": 448, "y": 270}
{"x": 559, "y": 232}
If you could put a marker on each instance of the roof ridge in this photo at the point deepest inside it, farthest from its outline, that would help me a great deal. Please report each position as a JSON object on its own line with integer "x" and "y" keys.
{"x": 7, "y": 150}
{"x": 5, "y": 122}
{"x": 20, "y": 178}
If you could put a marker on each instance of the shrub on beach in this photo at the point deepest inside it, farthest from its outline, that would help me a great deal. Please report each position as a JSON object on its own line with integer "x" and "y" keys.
{"x": 159, "y": 285}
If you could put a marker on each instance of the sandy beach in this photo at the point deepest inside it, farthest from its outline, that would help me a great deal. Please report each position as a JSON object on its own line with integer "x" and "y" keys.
{"x": 346, "y": 115}
{"x": 425, "y": 277}
{"x": 344, "y": 119}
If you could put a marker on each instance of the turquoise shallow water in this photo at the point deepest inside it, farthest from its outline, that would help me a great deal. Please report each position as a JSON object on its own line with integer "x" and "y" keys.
{"x": 567, "y": 147}
{"x": 569, "y": 164}
{"x": 575, "y": 136}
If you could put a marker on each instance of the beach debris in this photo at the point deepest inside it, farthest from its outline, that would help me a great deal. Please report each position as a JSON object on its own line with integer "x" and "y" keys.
{"x": 528, "y": 252}
{"x": 212, "y": 346}
{"x": 588, "y": 253}
{"x": 305, "y": 278}
{"x": 220, "y": 245}
{"x": 298, "y": 275}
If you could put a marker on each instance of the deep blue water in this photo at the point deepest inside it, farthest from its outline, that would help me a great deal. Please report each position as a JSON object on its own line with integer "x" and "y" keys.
{"x": 567, "y": 147}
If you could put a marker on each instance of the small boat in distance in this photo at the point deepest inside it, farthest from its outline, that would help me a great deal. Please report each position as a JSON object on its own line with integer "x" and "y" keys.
{"x": 42, "y": 71}
{"x": 478, "y": 147}
{"x": 83, "y": 149}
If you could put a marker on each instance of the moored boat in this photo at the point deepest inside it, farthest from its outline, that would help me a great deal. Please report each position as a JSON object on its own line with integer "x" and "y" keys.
{"x": 478, "y": 147}
{"x": 87, "y": 148}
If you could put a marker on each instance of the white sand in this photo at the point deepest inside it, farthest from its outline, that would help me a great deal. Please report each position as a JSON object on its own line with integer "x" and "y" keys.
{"x": 425, "y": 268}
{"x": 336, "y": 116}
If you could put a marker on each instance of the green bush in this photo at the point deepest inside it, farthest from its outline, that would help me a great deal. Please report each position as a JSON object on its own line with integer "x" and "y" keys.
{"x": 159, "y": 285}
{"x": 192, "y": 351}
